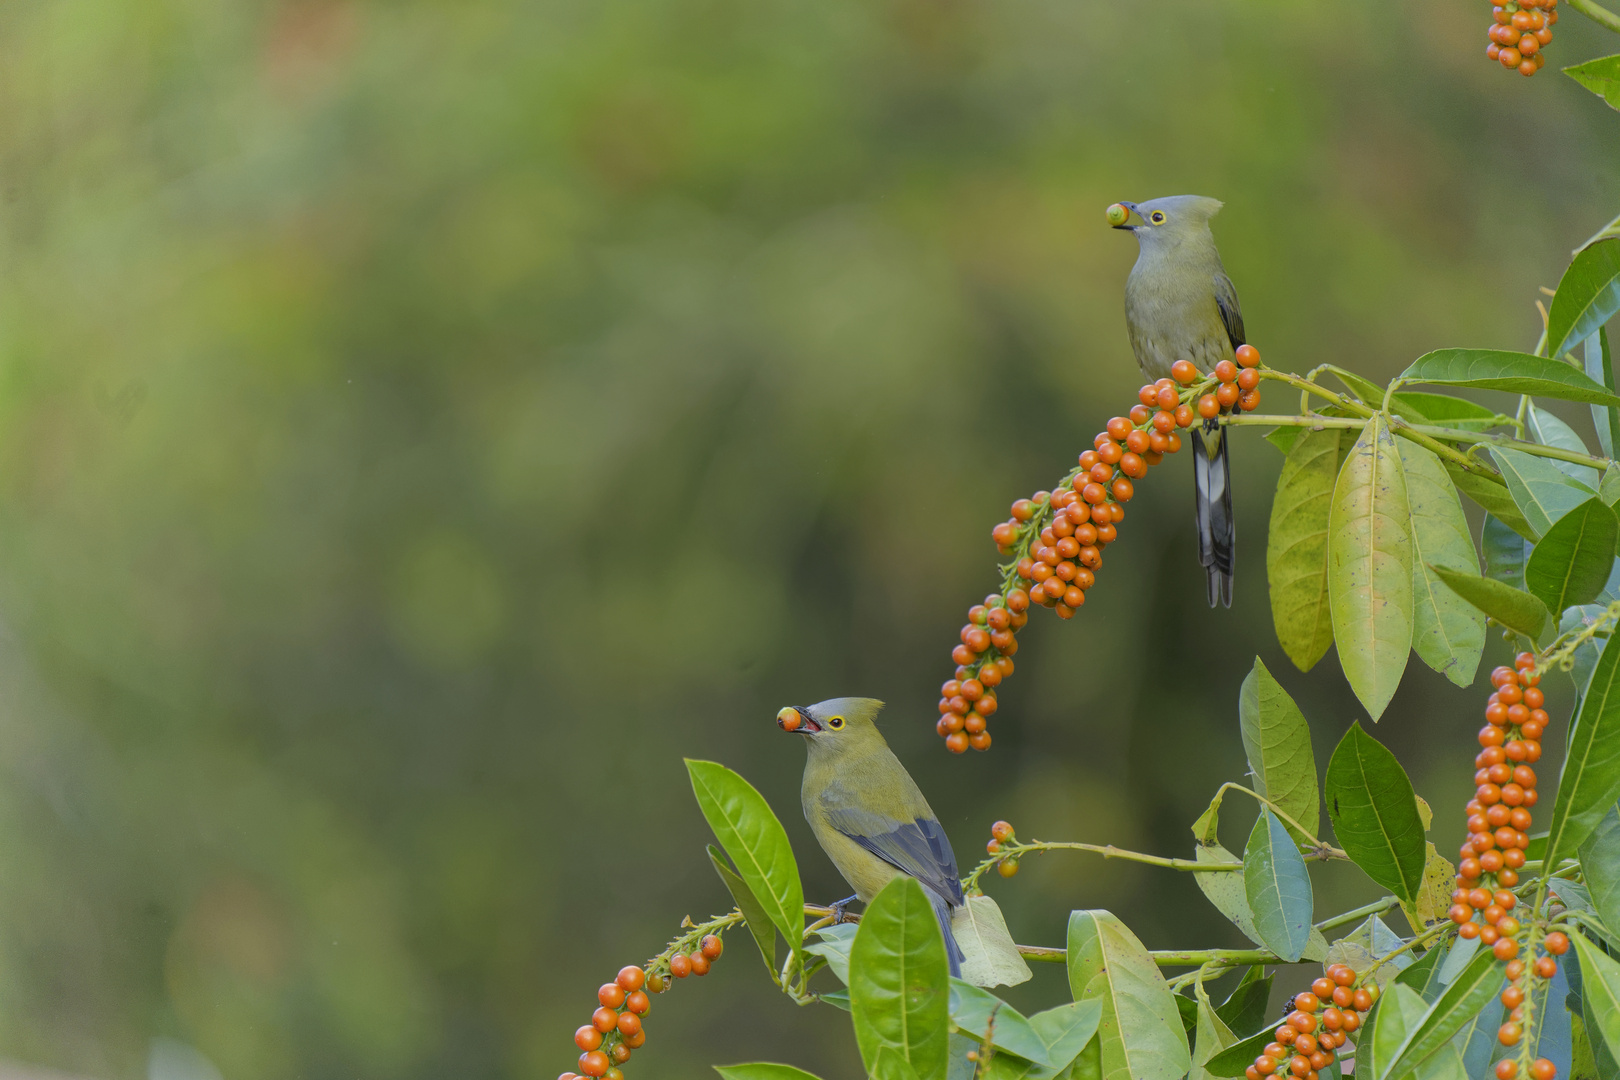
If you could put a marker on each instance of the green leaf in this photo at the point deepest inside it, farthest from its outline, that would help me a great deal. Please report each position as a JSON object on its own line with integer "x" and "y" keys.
{"x": 1513, "y": 608}
{"x": 1374, "y": 813}
{"x": 1541, "y": 491}
{"x": 758, "y": 922}
{"x": 1066, "y": 1030}
{"x": 1240, "y": 1055}
{"x": 1588, "y": 296}
{"x": 834, "y": 947}
{"x": 1296, "y": 546}
{"x": 1505, "y": 552}
{"x": 891, "y": 1064}
{"x": 971, "y": 1009}
{"x": 1590, "y": 782}
{"x": 1245, "y": 1009}
{"x": 1549, "y": 430}
{"x": 1601, "y": 76}
{"x": 1609, "y": 486}
{"x": 1571, "y": 564}
{"x": 1448, "y": 633}
{"x": 1599, "y": 368}
{"x": 1493, "y": 496}
{"x": 763, "y": 1070}
{"x": 1468, "y": 993}
{"x": 1278, "y": 744}
{"x": 899, "y": 980}
{"x": 756, "y": 842}
{"x": 1370, "y": 568}
{"x": 1140, "y": 1030}
{"x": 1448, "y": 411}
{"x": 1283, "y": 438}
{"x": 1600, "y": 989}
{"x": 1212, "y": 1036}
{"x": 1277, "y": 887}
{"x": 989, "y": 956}
{"x": 1398, "y": 1012}
{"x": 1514, "y": 372}
{"x": 1225, "y": 890}
{"x": 1600, "y": 862}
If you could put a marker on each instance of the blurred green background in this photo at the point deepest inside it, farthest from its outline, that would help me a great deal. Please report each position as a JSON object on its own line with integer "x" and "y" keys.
{"x": 422, "y": 424}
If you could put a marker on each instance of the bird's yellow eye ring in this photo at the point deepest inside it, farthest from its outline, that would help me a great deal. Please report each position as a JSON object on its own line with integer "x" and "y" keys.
{"x": 1158, "y": 217}
{"x": 835, "y": 722}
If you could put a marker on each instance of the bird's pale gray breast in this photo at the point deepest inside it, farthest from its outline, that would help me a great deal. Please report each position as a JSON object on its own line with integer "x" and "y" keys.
{"x": 1171, "y": 314}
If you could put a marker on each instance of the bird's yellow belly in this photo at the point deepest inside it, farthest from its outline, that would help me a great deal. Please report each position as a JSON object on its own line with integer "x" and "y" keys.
{"x": 865, "y": 872}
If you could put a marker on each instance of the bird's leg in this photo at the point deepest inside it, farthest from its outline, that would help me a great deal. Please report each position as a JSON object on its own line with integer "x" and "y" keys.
{"x": 838, "y": 908}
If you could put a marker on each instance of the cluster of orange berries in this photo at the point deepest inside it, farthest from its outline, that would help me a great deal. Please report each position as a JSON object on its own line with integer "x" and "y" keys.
{"x": 1498, "y": 834}
{"x": 616, "y": 1026}
{"x": 1058, "y": 536}
{"x": 1001, "y": 833}
{"x": 1321, "y": 1022}
{"x": 1522, "y": 28}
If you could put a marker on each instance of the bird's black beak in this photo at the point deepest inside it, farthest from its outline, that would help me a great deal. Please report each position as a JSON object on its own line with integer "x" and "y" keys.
{"x": 796, "y": 719}
{"x": 1126, "y": 224}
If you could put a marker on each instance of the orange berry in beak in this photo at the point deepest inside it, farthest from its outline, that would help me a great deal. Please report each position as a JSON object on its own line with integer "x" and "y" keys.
{"x": 789, "y": 719}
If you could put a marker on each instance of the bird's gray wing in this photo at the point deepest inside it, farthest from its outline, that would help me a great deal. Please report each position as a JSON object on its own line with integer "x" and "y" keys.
{"x": 1231, "y": 314}
{"x": 918, "y": 848}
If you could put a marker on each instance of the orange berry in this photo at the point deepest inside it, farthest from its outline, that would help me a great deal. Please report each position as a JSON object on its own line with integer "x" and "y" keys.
{"x": 1007, "y": 867}
{"x": 699, "y": 962}
{"x": 1119, "y": 428}
{"x": 1148, "y": 395}
{"x": 1168, "y": 398}
{"x": 1184, "y": 415}
{"x": 1556, "y": 943}
{"x": 956, "y": 743}
{"x": 980, "y": 741}
{"x": 680, "y": 966}
{"x": 1227, "y": 395}
{"x": 1184, "y": 372}
{"x": 1248, "y": 379}
{"x": 631, "y": 977}
{"x": 1249, "y": 401}
{"x": 603, "y": 1019}
{"x": 629, "y": 1024}
{"x": 1505, "y": 949}
{"x": 1542, "y": 1069}
{"x": 1363, "y": 1000}
{"x": 1264, "y": 1064}
{"x": 712, "y": 946}
{"x": 638, "y": 1002}
{"x": 588, "y": 1038}
{"x": 611, "y": 995}
{"x": 1546, "y": 967}
{"x": 594, "y": 1063}
{"x": 1226, "y": 371}
{"x": 1507, "y": 1069}
{"x": 1509, "y": 1034}
{"x": 1209, "y": 407}
{"x": 1248, "y": 355}
{"x": 1306, "y": 1002}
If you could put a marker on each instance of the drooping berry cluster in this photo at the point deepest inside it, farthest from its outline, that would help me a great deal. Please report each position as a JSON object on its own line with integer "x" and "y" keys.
{"x": 1321, "y": 1022}
{"x": 616, "y": 1026}
{"x": 1056, "y": 538}
{"x": 1498, "y": 834}
{"x": 1002, "y": 833}
{"x": 1522, "y": 28}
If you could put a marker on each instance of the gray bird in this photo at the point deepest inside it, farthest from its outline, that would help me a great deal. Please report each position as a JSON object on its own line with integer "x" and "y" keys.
{"x": 1180, "y": 305}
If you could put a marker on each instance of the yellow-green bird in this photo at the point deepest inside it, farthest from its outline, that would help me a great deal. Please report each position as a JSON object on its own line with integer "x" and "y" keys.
{"x": 1180, "y": 305}
{"x": 866, "y": 811}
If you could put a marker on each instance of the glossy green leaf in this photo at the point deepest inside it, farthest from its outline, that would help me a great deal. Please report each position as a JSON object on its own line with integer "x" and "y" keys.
{"x": 1601, "y": 76}
{"x": 1590, "y": 782}
{"x": 1283, "y": 438}
{"x": 755, "y": 841}
{"x": 1225, "y": 890}
{"x": 1066, "y": 1030}
{"x": 755, "y": 917}
{"x": 1478, "y": 983}
{"x": 1374, "y": 813}
{"x": 1513, "y": 608}
{"x": 1600, "y": 994}
{"x": 1493, "y": 496}
{"x": 1600, "y": 368}
{"x": 1245, "y": 1009}
{"x": 1514, "y": 372}
{"x": 892, "y": 1064}
{"x": 1240, "y": 1055}
{"x": 1548, "y": 430}
{"x": 1588, "y": 296}
{"x": 1505, "y": 552}
{"x": 1296, "y": 546}
{"x": 763, "y": 1070}
{"x": 1448, "y": 411}
{"x": 1609, "y": 486}
{"x": 1278, "y": 744}
{"x": 833, "y": 946}
{"x": 1448, "y": 633}
{"x": 1600, "y": 862}
{"x": 989, "y": 955}
{"x": 899, "y": 980}
{"x": 1140, "y": 1031}
{"x": 1586, "y": 653}
{"x": 1277, "y": 887}
{"x": 1542, "y": 492}
{"x": 1571, "y": 564}
{"x": 1398, "y": 1012}
{"x": 1211, "y": 1036}
{"x": 1370, "y": 568}
{"x": 972, "y": 1009}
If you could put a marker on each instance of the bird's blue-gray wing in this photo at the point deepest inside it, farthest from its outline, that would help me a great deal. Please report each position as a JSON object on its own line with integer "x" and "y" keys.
{"x": 918, "y": 848}
{"x": 1226, "y": 299}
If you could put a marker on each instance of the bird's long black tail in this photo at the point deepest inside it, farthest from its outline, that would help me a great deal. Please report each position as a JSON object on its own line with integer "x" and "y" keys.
{"x": 942, "y": 911}
{"x": 1217, "y": 535}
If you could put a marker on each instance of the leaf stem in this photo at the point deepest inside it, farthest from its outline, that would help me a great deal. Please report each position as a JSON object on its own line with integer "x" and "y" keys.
{"x": 1377, "y": 907}
{"x": 1598, "y": 14}
{"x": 1320, "y": 849}
{"x": 1612, "y": 229}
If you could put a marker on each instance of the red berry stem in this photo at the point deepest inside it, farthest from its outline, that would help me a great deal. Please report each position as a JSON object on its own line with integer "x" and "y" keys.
{"x": 1055, "y": 539}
